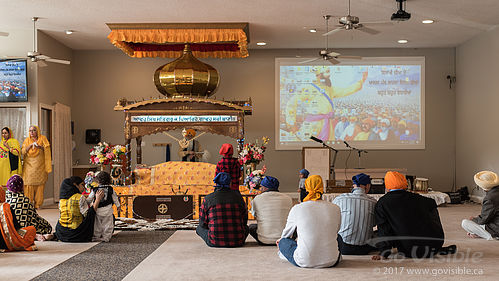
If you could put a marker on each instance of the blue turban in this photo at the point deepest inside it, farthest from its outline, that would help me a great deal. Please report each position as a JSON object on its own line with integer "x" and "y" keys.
{"x": 222, "y": 179}
{"x": 361, "y": 179}
{"x": 270, "y": 183}
{"x": 304, "y": 172}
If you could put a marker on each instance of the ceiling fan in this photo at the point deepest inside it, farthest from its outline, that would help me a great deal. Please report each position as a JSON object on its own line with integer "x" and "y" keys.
{"x": 4, "y": 33}
{"x": 350, "y": 22}
{"x": 35, "y": 56}
{"x": 328, "y": 55}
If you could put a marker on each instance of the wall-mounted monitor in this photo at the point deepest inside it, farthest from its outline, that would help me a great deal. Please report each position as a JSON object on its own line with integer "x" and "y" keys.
{"x": 372, "y": 103}
{"x": 13, "y": 81}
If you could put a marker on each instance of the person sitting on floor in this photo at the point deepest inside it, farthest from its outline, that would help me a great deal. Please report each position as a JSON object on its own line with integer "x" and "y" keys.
{"x": 301, "y": 184}
{"x": 316, "y": 224}
{"x": 229, "y": 165}
{"x": 223, "y": 216}
{"x": 270, "y": 209}
{"x": 357, "y": 218}
{"x": 12, "y": 236}
{"x": 104, "y": 218}
{"x": 485, "y": 225}
{"x": 24, "y": 211}
{"x": 408, "y": 221}
{"x": 76, "y": 221}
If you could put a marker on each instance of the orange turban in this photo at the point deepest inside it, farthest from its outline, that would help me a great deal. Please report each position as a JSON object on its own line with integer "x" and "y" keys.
{"x": 313, "y": 184}
{"x": 191, "y": 132}
{"x": 395, "y": 180}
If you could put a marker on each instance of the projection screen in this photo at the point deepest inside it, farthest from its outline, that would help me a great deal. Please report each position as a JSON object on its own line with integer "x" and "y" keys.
{"x": 372, "y": 103}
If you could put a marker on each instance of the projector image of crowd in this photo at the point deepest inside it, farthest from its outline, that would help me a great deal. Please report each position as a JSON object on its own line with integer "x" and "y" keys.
{"x": 12, "y": 89}
{"x": 376, "y": 122}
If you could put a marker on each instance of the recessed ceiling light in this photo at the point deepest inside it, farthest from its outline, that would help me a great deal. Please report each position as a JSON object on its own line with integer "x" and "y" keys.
{"x": 261, "y": 43}
{"x": 313, "y": 30}
{"x": 428, "y": 21}
{"x": 402, "y": 41}
{"x": 69, "y": 31}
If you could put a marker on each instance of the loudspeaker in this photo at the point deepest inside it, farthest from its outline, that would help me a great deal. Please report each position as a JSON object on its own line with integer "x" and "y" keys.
{"x": 92, "y": 136}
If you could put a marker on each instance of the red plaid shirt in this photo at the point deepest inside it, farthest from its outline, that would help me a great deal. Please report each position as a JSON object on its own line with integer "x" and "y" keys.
{"x": 225, "y": 215}
{"x": 232, "y": 167}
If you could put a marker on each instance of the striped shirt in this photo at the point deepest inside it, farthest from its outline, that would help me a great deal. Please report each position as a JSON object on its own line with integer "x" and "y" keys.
{"x": 357, "y": 216}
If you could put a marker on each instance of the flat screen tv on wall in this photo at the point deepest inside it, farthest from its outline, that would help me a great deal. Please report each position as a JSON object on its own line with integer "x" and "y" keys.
{"x": 13, "y": 81}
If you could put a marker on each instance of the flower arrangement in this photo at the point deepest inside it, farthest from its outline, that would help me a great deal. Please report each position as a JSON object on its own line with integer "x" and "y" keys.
{"x": 253, "y": 180}
{"x": 118, "y": 150}
{"x": 101, "y": 154}
{"x": 253, "y": 152}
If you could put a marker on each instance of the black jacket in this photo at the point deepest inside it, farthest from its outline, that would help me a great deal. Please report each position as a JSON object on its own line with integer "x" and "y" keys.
{"x": 408, "y": 216}
{"x": 490, "y": 212}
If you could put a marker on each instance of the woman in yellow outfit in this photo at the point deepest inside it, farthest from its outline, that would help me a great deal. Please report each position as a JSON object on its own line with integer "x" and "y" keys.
{"x": 10, "y": 159}
{"x": 37, "y": 165}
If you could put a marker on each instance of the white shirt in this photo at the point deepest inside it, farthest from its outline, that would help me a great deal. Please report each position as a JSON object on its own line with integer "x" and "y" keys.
{"x": 317, "y": 224}
{"x": 270, "y": 209}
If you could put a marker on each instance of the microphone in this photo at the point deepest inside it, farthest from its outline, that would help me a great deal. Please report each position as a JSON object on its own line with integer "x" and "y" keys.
{"x": 316, "y": 139}
{"x": 346, "y": 143}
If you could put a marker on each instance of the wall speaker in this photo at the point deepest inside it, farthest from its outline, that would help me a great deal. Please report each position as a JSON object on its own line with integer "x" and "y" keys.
{"x": 92, "y": 136}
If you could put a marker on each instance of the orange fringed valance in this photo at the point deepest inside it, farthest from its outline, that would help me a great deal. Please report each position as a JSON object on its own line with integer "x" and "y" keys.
{"x": 214, "y": 43}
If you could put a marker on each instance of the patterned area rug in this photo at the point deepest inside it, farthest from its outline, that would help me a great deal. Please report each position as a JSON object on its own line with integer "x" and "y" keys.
{"x": 108, "y": 261}
{"x": 144, "y": 225}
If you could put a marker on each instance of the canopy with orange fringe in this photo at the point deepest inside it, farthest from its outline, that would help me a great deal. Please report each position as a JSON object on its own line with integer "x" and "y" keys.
{"x": 167, "y": 40}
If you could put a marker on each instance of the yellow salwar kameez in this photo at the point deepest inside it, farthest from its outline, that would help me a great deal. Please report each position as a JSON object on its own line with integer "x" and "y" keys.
{"x": 10, "y": 145}
{"x": 36, "y": 167}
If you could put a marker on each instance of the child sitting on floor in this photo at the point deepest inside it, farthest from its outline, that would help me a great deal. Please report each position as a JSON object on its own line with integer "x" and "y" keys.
{"x": 104, "y": 219}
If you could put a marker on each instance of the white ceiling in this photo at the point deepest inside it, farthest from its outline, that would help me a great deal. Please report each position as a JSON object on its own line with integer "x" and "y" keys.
{"x": 281, "y": 23}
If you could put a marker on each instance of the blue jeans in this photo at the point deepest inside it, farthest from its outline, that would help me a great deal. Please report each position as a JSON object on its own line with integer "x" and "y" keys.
{"x": 287, "y": 248}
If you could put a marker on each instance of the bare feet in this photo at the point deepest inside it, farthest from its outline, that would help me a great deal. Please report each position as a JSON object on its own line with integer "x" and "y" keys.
{"x": 44, "y": 237}
{"x": 48, "y": 237}
{"x": 471, "y": 235}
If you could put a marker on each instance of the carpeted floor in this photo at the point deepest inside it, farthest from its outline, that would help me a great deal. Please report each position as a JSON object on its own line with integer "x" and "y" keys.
{"x": 184, "y": 256}
{"x": 109, "y": 261}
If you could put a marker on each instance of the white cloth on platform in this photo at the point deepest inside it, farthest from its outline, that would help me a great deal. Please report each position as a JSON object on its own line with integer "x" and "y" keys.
{"x": 477, "y": 229}
{"x": 439, "y": 197}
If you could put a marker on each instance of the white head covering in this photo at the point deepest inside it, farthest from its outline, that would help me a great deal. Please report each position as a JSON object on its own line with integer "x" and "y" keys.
{"x": 486, "y": 180}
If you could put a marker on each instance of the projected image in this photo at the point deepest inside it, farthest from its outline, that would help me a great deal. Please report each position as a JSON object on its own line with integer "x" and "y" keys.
{"x": 377, "y": 106}
{"x": 13, "y": 81}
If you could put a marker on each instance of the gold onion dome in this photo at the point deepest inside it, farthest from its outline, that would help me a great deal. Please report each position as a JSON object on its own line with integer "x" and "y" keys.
{"x": 186, "y": 76}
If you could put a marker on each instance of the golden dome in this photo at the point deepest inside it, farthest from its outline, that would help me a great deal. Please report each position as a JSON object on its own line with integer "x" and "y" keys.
{"x": 186, "y": 76}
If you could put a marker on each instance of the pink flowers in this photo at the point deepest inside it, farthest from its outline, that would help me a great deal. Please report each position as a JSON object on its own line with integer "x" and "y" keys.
{"x": 101, "y": 154}
{"x": 252, "y": 152}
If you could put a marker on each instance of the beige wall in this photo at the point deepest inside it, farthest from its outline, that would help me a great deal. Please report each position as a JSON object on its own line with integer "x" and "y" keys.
{"x": 476, "y": 106}
{"x": 54, "y": 85}
{"x": 100, "y": 78}
{"x": 55, "y": 80}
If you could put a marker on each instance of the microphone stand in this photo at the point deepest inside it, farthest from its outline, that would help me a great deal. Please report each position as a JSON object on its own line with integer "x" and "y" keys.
{"x": 359, "y": 152}
{"x": 332, "y": 172}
